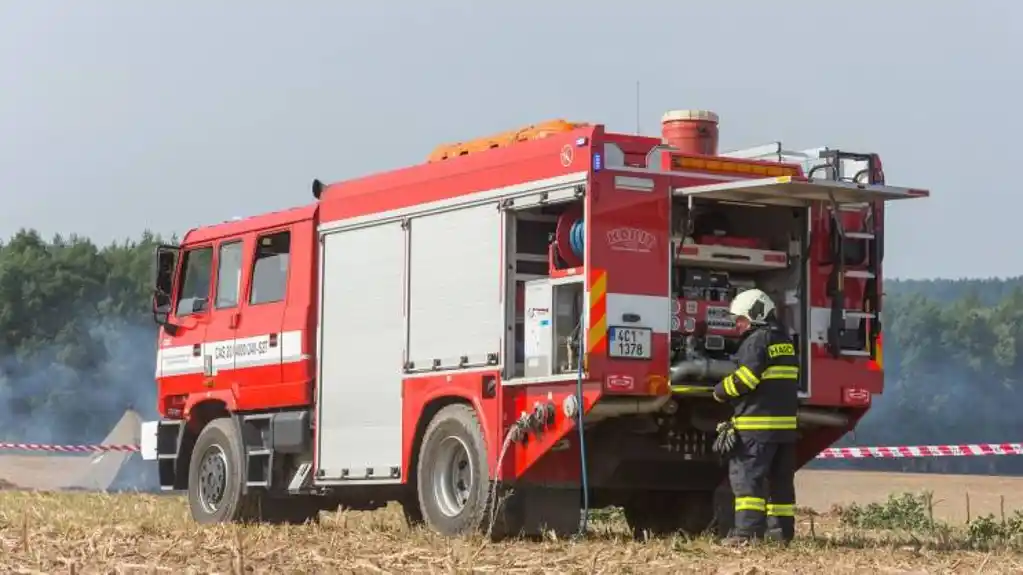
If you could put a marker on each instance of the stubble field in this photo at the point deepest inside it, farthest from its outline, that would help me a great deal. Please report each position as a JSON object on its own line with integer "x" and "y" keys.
{"x": 102, "y": 533}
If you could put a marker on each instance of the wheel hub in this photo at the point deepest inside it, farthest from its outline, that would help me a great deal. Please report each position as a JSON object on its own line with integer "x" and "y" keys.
{"x": 454, "y": 476}
{"x": 212, "y": 478}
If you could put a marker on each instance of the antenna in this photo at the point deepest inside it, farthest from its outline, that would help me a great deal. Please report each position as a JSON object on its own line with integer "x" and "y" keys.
{"x": 637, "y": 108}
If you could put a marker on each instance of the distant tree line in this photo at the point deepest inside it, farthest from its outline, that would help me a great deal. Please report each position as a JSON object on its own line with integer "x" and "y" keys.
{"x": 953, "y": 357}
{"x": 77, "y": 343}
{"x": 77, "y": 348}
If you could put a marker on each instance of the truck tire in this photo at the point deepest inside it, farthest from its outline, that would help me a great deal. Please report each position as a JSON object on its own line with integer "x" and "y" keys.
{"x": 453, "y": 475}
{"x": 662, "y": 513}
{"x": 215, "y": 478}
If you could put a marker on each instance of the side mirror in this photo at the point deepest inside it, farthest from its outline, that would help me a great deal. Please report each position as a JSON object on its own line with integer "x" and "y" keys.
{"x": 166, "y": 264}
{"x": 161, "y": 315}
{"x": 163, "y": 280}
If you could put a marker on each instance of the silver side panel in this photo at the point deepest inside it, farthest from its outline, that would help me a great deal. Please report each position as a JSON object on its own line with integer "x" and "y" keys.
{"x": 358, "y": 439}
{"x": 455, "y": 314}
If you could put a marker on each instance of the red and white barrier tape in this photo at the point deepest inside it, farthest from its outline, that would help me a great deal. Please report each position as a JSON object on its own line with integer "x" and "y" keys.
{"x": 966, "y": 450}
{"x": 67, "y": 448}
{"x": 900, "y": 451}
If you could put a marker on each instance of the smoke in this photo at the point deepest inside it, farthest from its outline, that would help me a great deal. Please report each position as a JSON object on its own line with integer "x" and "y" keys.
{"x": 75, "y": 391}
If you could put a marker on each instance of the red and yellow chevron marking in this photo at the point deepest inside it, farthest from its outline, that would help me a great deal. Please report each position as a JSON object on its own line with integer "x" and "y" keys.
{"x": 877, "y": 364}
{"x": 596, "y": 336}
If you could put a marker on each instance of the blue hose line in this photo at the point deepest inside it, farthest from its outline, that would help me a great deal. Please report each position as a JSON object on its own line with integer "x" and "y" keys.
{"x": 582, "y": 440}
{"x": 576, "y": 235}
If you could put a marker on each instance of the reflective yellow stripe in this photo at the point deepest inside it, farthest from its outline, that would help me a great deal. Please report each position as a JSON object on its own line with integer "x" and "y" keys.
{"x": 750, "y": 504}
{"x": 780, "y": 510}
{"x": 747, "y": 376}
{"x": 692, "y": 389}
{"x": 781, "y": 372}
{"x": 764, "y": 422}
{"x": 729, "y": 385}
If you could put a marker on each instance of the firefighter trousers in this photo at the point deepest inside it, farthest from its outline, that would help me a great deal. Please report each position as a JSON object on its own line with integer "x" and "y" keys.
{"x": 762, "y": 475}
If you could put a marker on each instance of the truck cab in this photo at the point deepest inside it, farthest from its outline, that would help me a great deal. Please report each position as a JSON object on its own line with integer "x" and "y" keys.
{"x": 233, "y": 303}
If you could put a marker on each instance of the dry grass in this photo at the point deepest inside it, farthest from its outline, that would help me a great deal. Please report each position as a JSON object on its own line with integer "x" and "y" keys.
{"x": 958, "y": 498}
{"x": 98, "y": 533}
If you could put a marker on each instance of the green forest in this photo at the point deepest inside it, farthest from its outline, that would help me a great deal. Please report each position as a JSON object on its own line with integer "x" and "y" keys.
{"x": 77, "y": 348}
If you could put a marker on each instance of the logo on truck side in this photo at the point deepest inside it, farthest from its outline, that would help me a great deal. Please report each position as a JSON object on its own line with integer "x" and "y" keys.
{"x": 621, "y": 382}
{"x": 631, "y": 240}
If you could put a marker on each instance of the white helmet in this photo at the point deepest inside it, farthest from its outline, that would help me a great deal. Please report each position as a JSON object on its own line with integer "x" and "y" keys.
{"x": 752, "y": 304}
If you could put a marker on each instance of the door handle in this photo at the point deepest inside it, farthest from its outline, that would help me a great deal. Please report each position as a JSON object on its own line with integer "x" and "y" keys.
{"x": 235, "y": 318}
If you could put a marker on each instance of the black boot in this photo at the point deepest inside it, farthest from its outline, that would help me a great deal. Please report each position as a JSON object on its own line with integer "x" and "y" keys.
{"x": 737, "y": 539}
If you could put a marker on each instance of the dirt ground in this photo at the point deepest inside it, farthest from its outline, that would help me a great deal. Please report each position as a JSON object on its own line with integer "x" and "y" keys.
{"x": 956, "y": 497}
{"x": 103, "y": 533}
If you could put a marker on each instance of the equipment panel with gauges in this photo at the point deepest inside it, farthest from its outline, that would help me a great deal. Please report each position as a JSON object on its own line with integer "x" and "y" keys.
{"x": 701, "y": 322}
{"x": 720, "y": 251}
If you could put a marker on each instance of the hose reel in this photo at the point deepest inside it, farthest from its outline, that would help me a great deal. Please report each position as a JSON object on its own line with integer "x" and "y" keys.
{"x": 570, "y": 236}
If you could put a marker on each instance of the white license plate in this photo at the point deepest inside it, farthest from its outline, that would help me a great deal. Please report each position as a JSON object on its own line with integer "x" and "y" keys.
{"x": 629, "y": 342}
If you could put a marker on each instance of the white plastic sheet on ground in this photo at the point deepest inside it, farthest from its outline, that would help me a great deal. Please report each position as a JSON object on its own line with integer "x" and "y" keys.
{"x": 94, "y": 472}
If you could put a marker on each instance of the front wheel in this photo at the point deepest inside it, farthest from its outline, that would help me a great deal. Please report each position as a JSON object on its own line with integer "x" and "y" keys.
{"x": 215, "y": 484}
{"x": 214, "y": 476}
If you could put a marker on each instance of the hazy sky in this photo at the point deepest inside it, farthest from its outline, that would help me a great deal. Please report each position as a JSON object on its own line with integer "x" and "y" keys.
{"x": 116, "y": 116}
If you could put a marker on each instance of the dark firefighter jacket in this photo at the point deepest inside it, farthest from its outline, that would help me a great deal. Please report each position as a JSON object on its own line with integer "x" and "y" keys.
{"x": 764, "y": 389}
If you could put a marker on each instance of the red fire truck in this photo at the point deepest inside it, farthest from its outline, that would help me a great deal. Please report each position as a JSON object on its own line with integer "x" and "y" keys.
{"x": 534, "y": 318}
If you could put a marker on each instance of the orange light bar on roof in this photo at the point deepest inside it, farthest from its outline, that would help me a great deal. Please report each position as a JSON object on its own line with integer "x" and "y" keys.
{"x": 732, "y": 166}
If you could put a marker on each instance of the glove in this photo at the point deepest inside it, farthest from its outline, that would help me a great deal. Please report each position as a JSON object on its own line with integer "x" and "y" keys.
{"x": 724, "y": 443}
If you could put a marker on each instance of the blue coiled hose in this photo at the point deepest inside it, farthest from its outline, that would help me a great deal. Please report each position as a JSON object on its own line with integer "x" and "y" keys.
{"x": 576, "y": 235}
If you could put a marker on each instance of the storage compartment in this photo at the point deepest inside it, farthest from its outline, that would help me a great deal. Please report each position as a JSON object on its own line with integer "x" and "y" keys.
{"x": 452, "y": 320}
{"x": 544, "y": 312}
{"x": 552, "y": 325}
{"x": 720, "y": 250}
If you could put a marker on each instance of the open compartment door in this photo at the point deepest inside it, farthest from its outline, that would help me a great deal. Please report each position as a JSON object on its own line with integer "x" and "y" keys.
{"x": 838, "y": 325}
{"x": 798, "y": 191}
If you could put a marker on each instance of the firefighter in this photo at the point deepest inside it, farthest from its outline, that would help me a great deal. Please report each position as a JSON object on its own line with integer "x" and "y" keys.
{"x": 759, "y": 439}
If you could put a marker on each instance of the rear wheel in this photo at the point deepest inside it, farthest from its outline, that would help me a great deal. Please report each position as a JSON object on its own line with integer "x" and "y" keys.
{"x": 661, "y": 513}
{"x": 453, "y": 478}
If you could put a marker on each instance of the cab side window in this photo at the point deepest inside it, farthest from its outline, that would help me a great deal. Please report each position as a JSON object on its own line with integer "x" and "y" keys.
{"x": 270, "y": 268}
{"x": 229, "y": 274}
{"x": 196, "y": 276}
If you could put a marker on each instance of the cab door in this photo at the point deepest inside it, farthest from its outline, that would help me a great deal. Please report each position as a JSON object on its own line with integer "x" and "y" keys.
{"x": 258, "y": 339}
{"x": 180, "y": 365}
{"x": 224, "y": 313}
